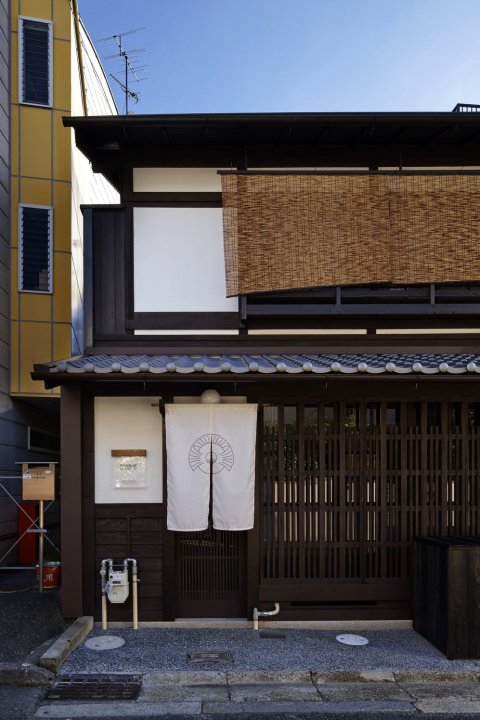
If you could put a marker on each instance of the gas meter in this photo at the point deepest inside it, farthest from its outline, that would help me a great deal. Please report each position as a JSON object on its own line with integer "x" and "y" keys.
{"x": 117, "y": 585}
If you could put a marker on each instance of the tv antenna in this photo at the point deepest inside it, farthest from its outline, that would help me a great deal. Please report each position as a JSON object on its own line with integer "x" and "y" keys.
{"x": 127, "y": 58}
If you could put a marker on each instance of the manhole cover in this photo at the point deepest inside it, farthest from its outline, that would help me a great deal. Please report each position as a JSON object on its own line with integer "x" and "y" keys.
{"x": 352, "y": 640}
{"x": 272, "y": 634}
{"x": 199, "y": 657}
{"x": 104, "y": 642}
{"x": 95, "y": 687}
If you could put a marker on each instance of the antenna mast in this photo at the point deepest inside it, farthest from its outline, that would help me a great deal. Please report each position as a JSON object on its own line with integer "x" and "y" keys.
{"x": 129, "y": 70}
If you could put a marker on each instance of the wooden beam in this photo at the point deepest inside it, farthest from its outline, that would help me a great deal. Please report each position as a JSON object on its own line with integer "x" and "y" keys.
{"x": 364, "y": 310}
{"x": 184, "y": 321}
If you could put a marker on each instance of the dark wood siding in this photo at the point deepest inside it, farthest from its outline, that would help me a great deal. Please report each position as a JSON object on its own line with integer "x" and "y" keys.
{"x": 135, "y": 531}
{"x": 112, "y": 270}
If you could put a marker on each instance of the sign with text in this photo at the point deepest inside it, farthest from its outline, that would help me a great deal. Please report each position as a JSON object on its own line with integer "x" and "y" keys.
{"x": 129, "y": 468}
{"x": 38, "y": 482}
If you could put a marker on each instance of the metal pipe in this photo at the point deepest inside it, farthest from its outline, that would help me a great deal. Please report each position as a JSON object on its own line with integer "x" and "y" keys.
{"x": 103, "y": 574}
{"x": 78, "y": 42}
{"x": 264, "y": 613}
{"x": 134, "y": 591}
{"x": 17, "y": 567}
{"x": 40, "y": 546}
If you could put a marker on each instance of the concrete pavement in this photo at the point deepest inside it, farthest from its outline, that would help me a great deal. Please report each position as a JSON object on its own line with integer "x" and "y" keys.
{"x": 307, "y": 674}
{"x": 219, "y": 694}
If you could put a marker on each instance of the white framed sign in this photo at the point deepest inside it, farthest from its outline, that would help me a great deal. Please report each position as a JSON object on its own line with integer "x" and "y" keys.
{"x": 129, "y": 469}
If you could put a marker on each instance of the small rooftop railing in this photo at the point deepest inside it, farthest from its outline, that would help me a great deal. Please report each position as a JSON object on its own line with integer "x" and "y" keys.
{"x": 465, "y": 107}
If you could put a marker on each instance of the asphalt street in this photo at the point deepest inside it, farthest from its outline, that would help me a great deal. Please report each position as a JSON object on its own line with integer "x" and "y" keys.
{"x": 27, "y": 618}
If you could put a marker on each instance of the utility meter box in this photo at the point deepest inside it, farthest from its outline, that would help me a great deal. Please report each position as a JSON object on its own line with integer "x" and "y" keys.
{"x": 117, "y": 586}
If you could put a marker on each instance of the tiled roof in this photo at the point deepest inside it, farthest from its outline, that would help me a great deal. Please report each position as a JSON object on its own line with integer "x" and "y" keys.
{"x": 399, "y": 364}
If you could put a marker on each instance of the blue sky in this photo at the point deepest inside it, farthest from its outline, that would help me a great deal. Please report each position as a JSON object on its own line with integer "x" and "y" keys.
{"x": 207, "y": 56}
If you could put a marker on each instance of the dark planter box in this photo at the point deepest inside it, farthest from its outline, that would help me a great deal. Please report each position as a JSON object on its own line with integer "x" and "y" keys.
{"x": 446, "y": 594}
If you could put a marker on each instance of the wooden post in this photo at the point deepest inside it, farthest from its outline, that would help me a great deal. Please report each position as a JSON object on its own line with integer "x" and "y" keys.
{"x": 253, "y": 536}
{"x": 169, "y": 577}
{"x": 71, "y": 505}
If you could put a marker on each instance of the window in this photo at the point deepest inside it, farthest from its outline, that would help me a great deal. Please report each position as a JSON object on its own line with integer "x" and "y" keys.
{"x": 43, "y": 441}
{"x": 35, "y": 248}
{"x": 35, "y": 61}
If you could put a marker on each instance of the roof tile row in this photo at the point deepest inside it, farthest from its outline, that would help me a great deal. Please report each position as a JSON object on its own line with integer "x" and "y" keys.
{"x": 286, "y": 363}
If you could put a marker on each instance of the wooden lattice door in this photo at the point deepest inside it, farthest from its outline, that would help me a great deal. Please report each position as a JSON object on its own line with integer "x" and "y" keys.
{"x": 211, "y": 573}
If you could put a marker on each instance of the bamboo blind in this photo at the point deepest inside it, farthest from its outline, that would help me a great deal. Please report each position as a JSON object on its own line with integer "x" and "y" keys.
{"x": 297, "y": 231}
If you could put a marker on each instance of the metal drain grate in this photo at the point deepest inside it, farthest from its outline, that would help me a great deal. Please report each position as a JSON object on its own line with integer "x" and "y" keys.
{"x": 95, "y": 687}
{"x": 215, "y": 657}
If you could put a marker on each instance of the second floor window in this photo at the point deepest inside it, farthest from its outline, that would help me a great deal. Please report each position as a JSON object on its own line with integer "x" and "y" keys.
{"x": 35, "y": 61}
{"x": 35, "y": 248}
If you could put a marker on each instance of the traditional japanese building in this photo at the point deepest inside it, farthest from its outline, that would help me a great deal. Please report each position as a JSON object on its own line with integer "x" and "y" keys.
{"x": 323, "y": 268}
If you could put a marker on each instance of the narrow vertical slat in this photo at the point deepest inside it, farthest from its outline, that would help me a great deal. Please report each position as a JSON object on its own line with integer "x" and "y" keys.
{"x": 340, "y": 534}
{"x": 321, "y": 491}
{"x": 301, "y": 488}
{"x": 363, "y": 480}
{"x": 464, "y": 469}
{"x": 424, "y": 469}
{"x": 444, "y": 471}
{"x": 281, "y": 492}
{"x": 476, "y": 432}
{"x": 381, "y": 500}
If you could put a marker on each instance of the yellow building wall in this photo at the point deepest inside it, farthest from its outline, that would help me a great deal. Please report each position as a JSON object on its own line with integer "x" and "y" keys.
{"x": 41, "y": 175}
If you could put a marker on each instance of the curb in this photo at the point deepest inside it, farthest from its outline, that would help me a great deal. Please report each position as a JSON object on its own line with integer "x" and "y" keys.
{"x": 25, "y": 674}
{"x": 68, "y": 641}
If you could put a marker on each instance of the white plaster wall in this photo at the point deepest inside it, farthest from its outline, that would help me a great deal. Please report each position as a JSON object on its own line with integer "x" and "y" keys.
{"x": 176, "y": 180}
{"x": 127, "y": 423}
{"x": 179, "y": 261}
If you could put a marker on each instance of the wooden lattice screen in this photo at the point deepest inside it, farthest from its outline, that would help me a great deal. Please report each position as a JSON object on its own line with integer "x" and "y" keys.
{"x": 298, "y": 231}
{"x": 210, "y": 573}
{"x": 345, "y": 488}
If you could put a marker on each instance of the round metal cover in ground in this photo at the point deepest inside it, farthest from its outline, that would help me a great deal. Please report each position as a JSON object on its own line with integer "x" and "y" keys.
{"x": 352, "y": 639}
{"x": 105, "y": 642}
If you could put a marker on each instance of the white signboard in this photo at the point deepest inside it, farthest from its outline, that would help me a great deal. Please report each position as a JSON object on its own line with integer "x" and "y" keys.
{"x": 129, "y": 468}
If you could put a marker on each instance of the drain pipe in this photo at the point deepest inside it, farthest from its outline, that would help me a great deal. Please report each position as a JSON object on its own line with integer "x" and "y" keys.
{"x": 107, "y": 562}
{"x": 264, "y": 613}
{"x": 134, "y": 590}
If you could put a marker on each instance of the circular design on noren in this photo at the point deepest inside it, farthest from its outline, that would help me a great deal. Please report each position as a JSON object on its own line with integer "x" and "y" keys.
{"x": 211, "y": 450}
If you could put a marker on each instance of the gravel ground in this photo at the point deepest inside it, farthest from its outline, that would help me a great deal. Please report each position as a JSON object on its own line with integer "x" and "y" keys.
{"x": 27, "y": 617}
{"x": 150, "y": 649}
